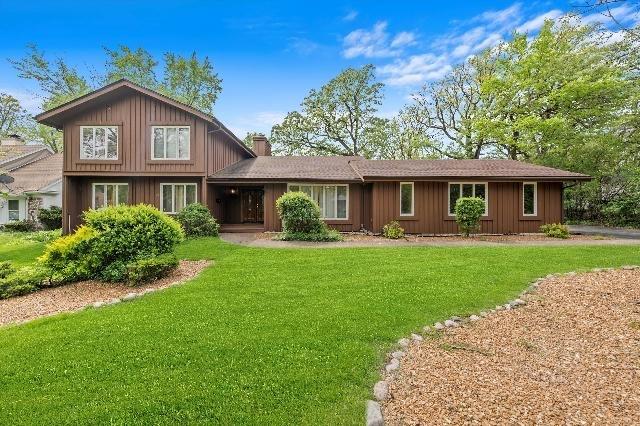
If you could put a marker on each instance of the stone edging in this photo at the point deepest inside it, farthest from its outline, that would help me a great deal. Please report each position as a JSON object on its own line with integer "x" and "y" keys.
{"x": 381, "y": 388}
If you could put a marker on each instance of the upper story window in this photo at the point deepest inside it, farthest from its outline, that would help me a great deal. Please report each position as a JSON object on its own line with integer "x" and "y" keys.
{"x": 529, "y": 199}
{"x": 99, "y": 142}
{"x": 406, "y": 199}
{"x": 110, "y": 194}
{"x": 332, "y": 199}
{"x": 464, "y": 189}
{"x": 170, "y": 142}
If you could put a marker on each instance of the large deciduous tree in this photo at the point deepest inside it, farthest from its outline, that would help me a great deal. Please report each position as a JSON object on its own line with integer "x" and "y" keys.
{"x": 12, "y": 115}
{"x": 335, "y": 119}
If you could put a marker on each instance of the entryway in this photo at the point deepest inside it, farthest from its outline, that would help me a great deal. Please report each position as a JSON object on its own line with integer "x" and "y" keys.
{"x": 252, "y": 205}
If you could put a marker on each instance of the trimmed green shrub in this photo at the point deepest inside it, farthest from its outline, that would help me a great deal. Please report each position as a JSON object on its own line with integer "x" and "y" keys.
{"x": 327, "y": 236}
{"x": 71, "y": 257}
{"x": 299, "y": 214}
{"x": 21, "y": 226}
{"x": 150, "y": 268}
{"x": 51, "y": 218}
{"x": 555, "y": 230}
{"x": 6, "y": 269}
{"x": 393, "y": 230}
{"x": 196, "y": 220}
{"x": 23, "y": 281}
{"x": 114, "y": 273}
{"x": 468, "y": 212}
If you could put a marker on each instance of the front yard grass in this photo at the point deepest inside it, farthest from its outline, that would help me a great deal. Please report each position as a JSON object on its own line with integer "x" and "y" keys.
{"x": 264, "y": 336}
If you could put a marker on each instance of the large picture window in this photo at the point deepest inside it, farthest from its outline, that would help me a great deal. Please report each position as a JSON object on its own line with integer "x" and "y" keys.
{"x": 467, "y": 189}
{"x": 170, "y": 142}
{"x": 14, "y": 209}
{"x": 332, "y": 199}
{"x": 406, "y": 199}
{"x": 529, "y": 198}
{"x": 99, "y": 142}
{"x": 110, "y": 194}
{"x": 176, "y": 196}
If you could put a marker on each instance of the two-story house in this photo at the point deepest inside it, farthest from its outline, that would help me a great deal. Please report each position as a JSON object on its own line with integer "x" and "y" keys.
{"x": 124, "y": 143}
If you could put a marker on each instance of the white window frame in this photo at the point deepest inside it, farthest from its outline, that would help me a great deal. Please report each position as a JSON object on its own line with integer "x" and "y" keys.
{"x": 9, "y": 210}
{"x": 412, "y": 199}
{"x": 106, "y": 148}
{"x": 105, "y": 184}
{"x": 335, "y": 209}
{"x": 165, "y": 158}
{"x": 486, "y": 195}
{"x": 173, "y": 190}
{"x": 535, "y": 199}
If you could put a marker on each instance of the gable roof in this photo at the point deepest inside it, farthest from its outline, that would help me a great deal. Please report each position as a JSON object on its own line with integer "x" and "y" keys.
{"x": 37, "y": 175}
{"x": 359, "y": 169}
{"x": 55, "y": 117}
{"x": 14, "y": 156}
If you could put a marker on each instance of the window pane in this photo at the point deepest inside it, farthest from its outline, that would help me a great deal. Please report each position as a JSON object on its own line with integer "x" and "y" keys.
{"x": 306, "y": 190}
{"x": 158, "y": 143}
{"x": 294, "y": 188}
{"x": 467, "y": 190}
{"x": 112, "y": 142}
{"x": 178, "y": 199}
{"x": 167, "y": 198}
{"x": 86, "y": 150}
{"x": 480, "y": 191}
{"x": 183, "y": 143}
{"x": 14, "y": 209}
{"x": 454, "y": 194}
{"x": 342, "y": 202}
{"x": 329, "y": 201}
{"x": 123, "y": 194}
{"x": 191, "y": 194}
{"x": 100, "y": 143}
{"x": 529, "y": 198}
{"x": 406, "y": 198}
{"x": 317, "y": 193}
{"x": 172, "y": 143}
{"x": 111, "y": 195}
{"x": 98, "y": 200}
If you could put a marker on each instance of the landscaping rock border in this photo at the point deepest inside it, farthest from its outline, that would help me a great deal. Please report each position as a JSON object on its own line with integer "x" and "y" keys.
{"x": 381, "y": 388}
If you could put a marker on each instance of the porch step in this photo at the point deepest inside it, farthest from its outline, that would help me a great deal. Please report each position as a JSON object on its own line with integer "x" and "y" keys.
{"x": 242, "y": 227}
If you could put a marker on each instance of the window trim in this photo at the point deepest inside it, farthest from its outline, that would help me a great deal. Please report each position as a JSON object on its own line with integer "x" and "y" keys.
{"x": 413, "y": 198}
{"x": 165, "y": 127}
{"x": 173, "y": 184}
{"x": 486, "y": 195}
{"x": 93, "y": 193}
{"x": 10, "y": 210}
{"x": 535, "y": 199}
{"x": 346, "y": 185}
{"x": 100, "y": 126}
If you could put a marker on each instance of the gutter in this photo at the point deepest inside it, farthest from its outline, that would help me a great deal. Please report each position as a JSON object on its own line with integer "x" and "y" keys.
{"x": 355, "y": 170}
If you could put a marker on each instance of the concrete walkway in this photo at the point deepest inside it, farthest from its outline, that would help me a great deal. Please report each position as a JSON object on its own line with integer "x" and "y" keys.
{"x": 252, "y": 240}
{"x": 627, "y": 233}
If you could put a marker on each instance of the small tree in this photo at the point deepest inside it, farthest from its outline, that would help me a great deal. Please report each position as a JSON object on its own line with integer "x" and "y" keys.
{"x": 468, "y": 211}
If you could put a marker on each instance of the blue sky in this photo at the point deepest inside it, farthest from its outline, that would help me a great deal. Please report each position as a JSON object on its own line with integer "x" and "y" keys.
{"x": 270, "y": 55}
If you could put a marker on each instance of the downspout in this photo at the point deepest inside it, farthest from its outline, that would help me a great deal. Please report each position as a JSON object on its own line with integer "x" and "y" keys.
{"x": 361, "y": 194}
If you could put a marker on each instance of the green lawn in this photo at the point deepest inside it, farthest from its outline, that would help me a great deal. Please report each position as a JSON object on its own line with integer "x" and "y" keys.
{"x": 14, "y": 247}
{"x": 265, "y": 336}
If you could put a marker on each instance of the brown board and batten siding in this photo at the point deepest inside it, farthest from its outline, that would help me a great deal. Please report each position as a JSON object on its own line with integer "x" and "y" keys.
{"x": 431, "y": 207}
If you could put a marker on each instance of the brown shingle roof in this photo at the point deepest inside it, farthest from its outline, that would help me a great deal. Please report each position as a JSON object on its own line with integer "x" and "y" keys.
{"x": 14, "y": 156}
{"x": 357, "y": 169}
{"x": 36, "y": 175}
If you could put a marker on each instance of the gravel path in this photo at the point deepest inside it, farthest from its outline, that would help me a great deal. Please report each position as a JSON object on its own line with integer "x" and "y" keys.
{"x": 76, "y": 296}
{"x": 571, "y": 356}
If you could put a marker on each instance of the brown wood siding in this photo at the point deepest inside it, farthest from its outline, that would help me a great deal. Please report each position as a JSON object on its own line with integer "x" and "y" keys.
{"x": 431, "y": 203}
{"x": 222, "y": 151}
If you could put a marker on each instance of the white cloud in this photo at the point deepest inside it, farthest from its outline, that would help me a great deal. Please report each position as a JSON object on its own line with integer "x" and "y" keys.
{"x": 29, "y": 101}
{"x": 375, "y": 43}
{"x": 536, "y": 23}
{"x": 623, "y": 14}
{"x": 507, "y": 15}
{"x": 416, "y": 69}
{"x": 350, "y": 16}
{"x": 303, "y": 46}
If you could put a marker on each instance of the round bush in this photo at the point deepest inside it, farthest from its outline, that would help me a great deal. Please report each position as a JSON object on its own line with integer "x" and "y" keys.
{"x": 51, "y": 218}
{"x": 393, "y": 230}
{"x": 468, "y": 211}
{"x": 299, "y": 214}
{"x": 196, "y": 220}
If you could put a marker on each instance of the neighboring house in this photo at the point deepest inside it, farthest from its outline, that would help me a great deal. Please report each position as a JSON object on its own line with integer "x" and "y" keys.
{"x": 36, "y": 180}
{"x": 127, "y": 144}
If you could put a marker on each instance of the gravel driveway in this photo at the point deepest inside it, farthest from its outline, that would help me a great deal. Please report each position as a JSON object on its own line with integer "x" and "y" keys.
{"x": 571, "y": 356}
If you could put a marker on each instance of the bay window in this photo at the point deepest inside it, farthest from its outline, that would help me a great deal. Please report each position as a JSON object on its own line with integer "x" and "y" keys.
{"x": 170, "y": 142}
{"x": 176, "y": 196}
{"x": 406, "y": 199}
{"x": 529, "y": 199}
{"x": 98, "y": 142}
{"x": 467, "y": 189}
{"x": 332, "y": 199}
{"x": 110, "y": 194}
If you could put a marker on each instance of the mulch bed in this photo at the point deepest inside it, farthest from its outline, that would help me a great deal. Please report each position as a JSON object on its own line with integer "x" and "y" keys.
{"x": 570, "y": 356}
{"x": 78, "y": 295}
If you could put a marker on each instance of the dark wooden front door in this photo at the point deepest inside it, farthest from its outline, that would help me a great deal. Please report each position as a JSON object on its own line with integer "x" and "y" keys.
{"x": 252, "y": 206}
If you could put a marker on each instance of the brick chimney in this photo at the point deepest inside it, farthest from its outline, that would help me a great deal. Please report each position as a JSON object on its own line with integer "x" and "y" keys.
{"x": 261, "y": 145}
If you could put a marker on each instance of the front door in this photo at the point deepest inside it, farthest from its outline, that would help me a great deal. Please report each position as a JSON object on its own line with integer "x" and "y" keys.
{"x": 252, "y": 206}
